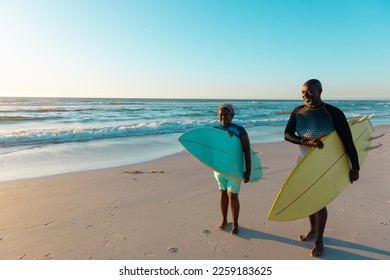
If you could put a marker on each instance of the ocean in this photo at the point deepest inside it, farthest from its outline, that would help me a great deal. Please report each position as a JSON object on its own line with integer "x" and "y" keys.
{"x": 47, "y": 136}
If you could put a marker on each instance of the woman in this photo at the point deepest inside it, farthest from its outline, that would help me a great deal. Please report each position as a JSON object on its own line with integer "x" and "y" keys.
{"x": 229, "y": 188}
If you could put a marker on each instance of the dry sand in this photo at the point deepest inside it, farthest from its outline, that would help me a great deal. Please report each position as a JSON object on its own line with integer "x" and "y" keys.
{"x": 173, "y": 214}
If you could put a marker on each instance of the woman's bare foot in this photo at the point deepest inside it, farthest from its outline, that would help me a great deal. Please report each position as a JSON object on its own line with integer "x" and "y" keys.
{"x": 235, "y": 229}
{"x": 222, "y": 225}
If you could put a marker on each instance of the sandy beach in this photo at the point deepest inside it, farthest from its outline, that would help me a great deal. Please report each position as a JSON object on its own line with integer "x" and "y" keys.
{"x": 168, "y": 209}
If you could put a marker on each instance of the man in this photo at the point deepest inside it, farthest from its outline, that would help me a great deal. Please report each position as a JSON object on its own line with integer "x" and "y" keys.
{"x": 307, "y": 125}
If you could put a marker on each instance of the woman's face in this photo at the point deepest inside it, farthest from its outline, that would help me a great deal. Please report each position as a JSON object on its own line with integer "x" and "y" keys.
{"x": 225, "y": 117}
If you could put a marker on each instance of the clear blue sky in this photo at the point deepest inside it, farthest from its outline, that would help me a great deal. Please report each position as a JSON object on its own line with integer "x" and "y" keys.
{"x": 194, "y": 48}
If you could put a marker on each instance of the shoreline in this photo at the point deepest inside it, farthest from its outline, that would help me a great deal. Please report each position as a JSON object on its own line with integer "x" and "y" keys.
{"x": 149, "y": 157}
{"x": 111, "y": 213}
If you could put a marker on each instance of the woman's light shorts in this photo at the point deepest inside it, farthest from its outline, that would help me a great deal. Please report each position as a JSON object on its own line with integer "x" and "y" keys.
{"x": 226, "y": 183}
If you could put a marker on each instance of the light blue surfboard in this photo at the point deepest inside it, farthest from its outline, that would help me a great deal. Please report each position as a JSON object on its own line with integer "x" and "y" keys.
{"x": 221, "y": 152}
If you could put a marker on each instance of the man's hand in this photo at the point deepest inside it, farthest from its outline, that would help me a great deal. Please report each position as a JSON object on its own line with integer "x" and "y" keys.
{"x": 317, "y": 143}
{"x": 353, "y": 175}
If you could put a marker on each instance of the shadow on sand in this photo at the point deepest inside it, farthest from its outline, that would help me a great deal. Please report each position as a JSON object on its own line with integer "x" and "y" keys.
{"x": 331, "y": 253}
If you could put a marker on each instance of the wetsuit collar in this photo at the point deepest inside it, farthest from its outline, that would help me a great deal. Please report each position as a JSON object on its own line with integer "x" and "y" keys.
{"x": 322, "y": 104}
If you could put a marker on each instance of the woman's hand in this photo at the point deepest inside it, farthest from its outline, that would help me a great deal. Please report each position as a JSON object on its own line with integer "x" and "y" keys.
{"x": 247, "y": 176}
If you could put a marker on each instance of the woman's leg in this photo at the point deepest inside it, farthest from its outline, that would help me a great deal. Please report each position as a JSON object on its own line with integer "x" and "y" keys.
{"x": 235, "y": 207}
{"x": 224, "y": 204}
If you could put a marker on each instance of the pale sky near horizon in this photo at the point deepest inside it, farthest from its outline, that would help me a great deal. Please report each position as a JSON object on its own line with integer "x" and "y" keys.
{"x": 194, "y": 48}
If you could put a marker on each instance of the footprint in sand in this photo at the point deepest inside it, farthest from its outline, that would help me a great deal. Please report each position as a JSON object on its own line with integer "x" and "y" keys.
{"x": 172, "y": 250}
{"x": 351, "y": 236}
{"x": 141, "y": 172}
{"x": 47, "y": 256}
{"x": 150, "y": 254}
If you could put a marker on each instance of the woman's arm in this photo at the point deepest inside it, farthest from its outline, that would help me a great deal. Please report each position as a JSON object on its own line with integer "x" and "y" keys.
{"x": 246, "y": 147}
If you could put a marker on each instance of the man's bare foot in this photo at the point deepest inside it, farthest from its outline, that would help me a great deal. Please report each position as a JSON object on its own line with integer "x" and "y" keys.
{"x": 317, "y": 250}
{"x": 308, "y": 236}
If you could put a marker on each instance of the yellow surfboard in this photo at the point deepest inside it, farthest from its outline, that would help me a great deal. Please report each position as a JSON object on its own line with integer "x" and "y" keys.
{"x": 321, "y": 174}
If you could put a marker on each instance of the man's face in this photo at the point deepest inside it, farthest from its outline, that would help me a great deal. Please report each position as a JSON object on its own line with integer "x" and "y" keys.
{"x": 311, "y": 96}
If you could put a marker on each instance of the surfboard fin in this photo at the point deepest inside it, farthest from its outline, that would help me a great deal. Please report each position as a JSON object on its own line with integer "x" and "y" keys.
{"x": 373, "y": 147}
{"x": 355, "y": 120}
{"x": 376, "y": 137}
{"x": 363, "y": 118}
{"x": 359, "y": 119}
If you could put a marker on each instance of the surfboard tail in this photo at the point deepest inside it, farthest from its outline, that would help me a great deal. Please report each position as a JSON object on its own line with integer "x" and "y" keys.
{"x": 374, "y": 138}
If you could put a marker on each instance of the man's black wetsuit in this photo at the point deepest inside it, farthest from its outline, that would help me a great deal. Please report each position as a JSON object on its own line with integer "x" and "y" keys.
{"x": 317, "y": 123}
